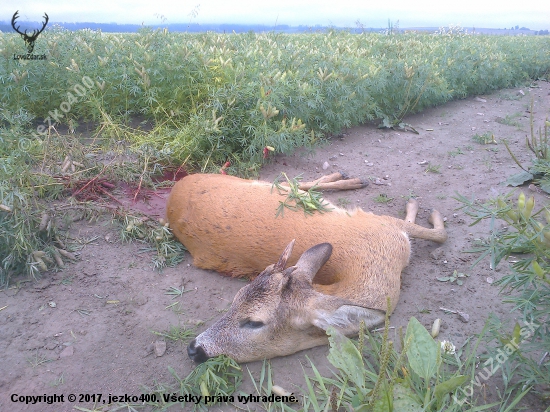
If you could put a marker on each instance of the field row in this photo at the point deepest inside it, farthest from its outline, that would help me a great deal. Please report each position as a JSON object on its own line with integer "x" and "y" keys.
{"x": 216, "y": 97}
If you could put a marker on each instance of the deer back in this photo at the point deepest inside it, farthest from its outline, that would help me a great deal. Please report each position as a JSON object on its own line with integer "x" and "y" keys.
{"x": 230, "y": 225}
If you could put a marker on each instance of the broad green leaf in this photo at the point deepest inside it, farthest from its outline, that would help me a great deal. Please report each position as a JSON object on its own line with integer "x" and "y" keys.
{"x": 448, "y": 386}
{"x": 519, "y": 179}
{"x": 545, "y": 185}
{"x": 405, "y": 400}
{"x": 344, "y": 355}
{"x": 422, "y": 352}
{"x": 383, "y": 403}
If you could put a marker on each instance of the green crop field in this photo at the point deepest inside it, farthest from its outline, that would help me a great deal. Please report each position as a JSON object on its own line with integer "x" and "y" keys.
{"x": 215, "y": 97}
{"x": 209, "y": 100}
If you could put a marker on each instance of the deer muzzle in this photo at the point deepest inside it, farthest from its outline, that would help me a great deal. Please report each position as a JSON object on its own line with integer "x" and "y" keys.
{"x": 196, "y": 353}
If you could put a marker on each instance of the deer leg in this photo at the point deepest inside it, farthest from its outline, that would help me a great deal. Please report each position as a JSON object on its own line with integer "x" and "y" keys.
{"x": 412, "y": 210}
{"x": 350, "y": 184}
{"x": 334, "y": 181}
{"x": 333, "y": 177}
{"x": 437, "y": 234}
{"x": 436, "y": 220}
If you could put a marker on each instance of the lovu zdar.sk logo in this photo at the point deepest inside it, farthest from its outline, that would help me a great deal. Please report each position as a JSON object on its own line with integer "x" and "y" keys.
{"x": 29, "y": 38}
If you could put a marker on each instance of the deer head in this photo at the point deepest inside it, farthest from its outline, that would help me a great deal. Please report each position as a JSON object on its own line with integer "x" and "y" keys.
{"x": 29, "y": 38}
{"x": 280, "y": 313}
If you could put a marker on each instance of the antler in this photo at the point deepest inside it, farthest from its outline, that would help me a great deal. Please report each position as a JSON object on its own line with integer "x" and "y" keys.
{"x": 35, "y": 32}
{"x": 43, "y": 26}
{"x": 15, "y": 15}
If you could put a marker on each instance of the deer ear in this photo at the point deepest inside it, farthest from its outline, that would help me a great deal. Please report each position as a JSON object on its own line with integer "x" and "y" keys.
{"x": 347, "y": 318}
{"x": 312, "y": 260}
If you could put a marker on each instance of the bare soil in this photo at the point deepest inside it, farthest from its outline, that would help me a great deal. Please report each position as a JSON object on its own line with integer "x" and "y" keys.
{"x": 88, "y": 328}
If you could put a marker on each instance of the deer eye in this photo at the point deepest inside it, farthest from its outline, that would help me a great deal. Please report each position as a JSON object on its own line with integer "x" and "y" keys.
{"x": 252, "y": 324}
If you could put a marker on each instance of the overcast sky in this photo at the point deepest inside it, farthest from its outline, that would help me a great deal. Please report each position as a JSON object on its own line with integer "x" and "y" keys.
{"x": 534, "y": 14}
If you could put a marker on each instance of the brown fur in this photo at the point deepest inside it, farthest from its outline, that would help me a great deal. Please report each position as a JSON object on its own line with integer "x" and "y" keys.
{"x": 228, "y": 225}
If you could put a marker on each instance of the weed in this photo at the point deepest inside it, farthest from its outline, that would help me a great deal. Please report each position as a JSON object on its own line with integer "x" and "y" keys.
{"x": 455, "y": 277}
{"x": 456, "y": 152}
{"x": 410, "y": 195}
{"x": 175, "y": 292}
{"x": 485, "y": 138}
{"x": 343, "y": 201}
{"x": 60, "y": 380}
{"x": 373, "y": 375}
{"x": 527, "y": 287}
{"x": 510, "y": 96}
{"x": 264, "y": 387}
{"x": 309, "y": 201}
{"x": 219, "y": 376}
{"x": 383, "y": 198}
{"x": 83, "y": 312}
{"x": 539, "y": 146}
{"x": 509, "y": 120}
{"x": 38, "y": 360}
{"x": 433, "y": 168}
{"x": 176, "y": 307}
{"x": 178, "y": 333}
{"x": 169, "y": 252}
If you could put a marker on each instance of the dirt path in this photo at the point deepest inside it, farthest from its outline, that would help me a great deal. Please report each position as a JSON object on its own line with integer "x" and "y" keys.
{"x": 97, "y": 337}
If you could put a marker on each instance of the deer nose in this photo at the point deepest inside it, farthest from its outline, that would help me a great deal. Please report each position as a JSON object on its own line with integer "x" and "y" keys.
{"x": 196, "y": 353}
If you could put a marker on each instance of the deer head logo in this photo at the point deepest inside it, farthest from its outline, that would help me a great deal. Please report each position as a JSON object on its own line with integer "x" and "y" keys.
{"x": 28, "y": 38}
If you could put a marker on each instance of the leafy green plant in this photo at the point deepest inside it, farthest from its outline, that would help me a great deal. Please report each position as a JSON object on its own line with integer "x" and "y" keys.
{"x": 527, "y": 287}
{"x": 38, "y": 360}
{"x": 509, "y": 120}
{"x": 209, "y": 102}
{"x": 27, "y": 238}
{"x": 265, "y": 387}
{"x": 176, "y": 292}
{"x": 510, "y": 96}
{"x": 169, "y": 252}
{"x": 485, "y": 138}
{"x": 374, "y": 376}
{"x": 488, "y": 163}
{"x": 456, "y": 276}
{"x": 433, "y": 168}
{"x": 216, "y": 378}
{"x": 178, "y": 333}
{"x": 309, "y": 201}
{"x": 454, "y": 153}
{"x": 383, "y": 198}
{"x": 539, "y": 146}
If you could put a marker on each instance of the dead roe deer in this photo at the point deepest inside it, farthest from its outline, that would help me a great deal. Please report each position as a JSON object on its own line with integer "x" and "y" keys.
{"x": 343, "y": 264}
